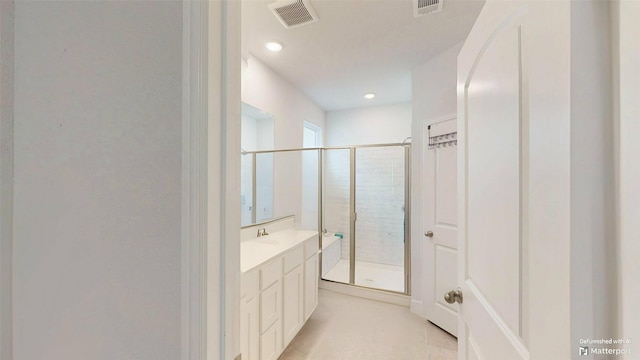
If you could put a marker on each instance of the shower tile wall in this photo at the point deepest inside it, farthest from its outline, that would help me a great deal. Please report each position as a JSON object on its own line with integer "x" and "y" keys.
{"x": 379, "y": 203}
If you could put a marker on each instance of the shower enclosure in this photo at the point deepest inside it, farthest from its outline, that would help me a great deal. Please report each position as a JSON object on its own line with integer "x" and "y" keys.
{"x": 361, "y": 194}
{"x": 366, "y": 200}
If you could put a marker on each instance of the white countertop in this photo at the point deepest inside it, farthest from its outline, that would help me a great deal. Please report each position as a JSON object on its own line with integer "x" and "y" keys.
{"x": 258, "y": 251}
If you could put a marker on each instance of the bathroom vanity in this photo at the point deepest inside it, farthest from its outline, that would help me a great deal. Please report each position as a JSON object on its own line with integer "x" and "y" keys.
{"x": 279, "y": 286}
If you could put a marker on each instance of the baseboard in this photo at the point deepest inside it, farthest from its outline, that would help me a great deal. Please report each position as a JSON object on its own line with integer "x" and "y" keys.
{"x": 371, "y": 294}
{"x": 416, "y": 308}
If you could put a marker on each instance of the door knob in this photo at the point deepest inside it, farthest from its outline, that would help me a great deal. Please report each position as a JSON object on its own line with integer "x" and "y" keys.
{"x": 429, "y": 233}
{"x": 453, "y": 296}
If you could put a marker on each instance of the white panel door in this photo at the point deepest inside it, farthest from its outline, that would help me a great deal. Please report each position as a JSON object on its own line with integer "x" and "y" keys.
{"x": 513, "y": 183}
{"x": 491, "y": 253}
{"x": 440, "y": 226}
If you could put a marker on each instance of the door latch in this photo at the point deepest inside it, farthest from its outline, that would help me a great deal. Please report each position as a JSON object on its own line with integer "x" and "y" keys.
{"x": 453, "y": 296}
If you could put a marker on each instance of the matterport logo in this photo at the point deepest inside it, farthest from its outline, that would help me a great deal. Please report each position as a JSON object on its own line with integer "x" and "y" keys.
{"x": 615, "y": 347}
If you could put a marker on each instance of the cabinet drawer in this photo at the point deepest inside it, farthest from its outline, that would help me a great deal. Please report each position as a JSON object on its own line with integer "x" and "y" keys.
{"x": 270, "y": 273}
{"x": 310, "y": 247}
{"x": 249, "y": 285}
{"x": 293, "y": 259}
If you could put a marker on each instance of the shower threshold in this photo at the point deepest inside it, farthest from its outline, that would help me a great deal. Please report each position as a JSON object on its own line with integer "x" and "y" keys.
{"x": 372, "y": 275}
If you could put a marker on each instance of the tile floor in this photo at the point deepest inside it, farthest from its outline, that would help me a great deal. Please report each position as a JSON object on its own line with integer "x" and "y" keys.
{"x": 351, "y": 328}
{"x": 377, "y": 276}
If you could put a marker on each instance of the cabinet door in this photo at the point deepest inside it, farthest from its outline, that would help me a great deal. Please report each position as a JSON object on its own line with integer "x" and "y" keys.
{"x": 250, "y": 329}
{"x": 271, "y": 342}
{"x": 293, "y": 302}
{"x": 310, "y": 285}
{"x": 270, "y": 306}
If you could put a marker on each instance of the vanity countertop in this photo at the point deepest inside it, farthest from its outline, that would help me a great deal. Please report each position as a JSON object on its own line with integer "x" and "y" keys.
{"x": 257, "y": 251}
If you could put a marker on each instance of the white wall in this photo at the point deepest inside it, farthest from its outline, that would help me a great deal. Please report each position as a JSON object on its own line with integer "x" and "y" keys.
{"x": 6, "y": 175}
{"x": 434, "y": 97}
{"x": 97, "y": 270}
{"x": 592, "y": 170}
{"x": 627, "y": 112}
{"x": 266, "y": 90}
{"x": 369, "y": 125}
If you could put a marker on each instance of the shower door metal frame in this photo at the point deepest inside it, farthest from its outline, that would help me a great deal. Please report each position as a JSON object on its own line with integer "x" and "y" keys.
{"x": 407, "y": 219}
{"x": 353, "y": 216}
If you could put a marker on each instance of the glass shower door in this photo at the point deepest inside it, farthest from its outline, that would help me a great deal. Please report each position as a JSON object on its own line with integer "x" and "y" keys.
{"x": 380, "y": 196}
{"x": 336, "y": 253}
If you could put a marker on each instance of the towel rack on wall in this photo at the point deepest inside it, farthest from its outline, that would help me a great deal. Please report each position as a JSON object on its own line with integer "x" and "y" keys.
{"x": 438, "y": 139}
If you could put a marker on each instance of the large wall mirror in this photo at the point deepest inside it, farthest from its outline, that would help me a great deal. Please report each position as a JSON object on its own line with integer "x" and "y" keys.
{"x": 256, "y": 187}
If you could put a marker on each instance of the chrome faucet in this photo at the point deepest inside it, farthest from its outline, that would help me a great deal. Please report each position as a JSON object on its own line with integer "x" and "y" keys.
{"x": 262, "y": 232}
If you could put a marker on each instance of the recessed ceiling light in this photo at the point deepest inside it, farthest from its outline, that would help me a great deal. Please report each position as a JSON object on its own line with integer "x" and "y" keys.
{"x": 369, "y": 96}
{"x": 274, "y": 46}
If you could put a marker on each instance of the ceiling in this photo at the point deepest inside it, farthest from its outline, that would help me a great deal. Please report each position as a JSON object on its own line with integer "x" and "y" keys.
{"x": 357, "y": 46}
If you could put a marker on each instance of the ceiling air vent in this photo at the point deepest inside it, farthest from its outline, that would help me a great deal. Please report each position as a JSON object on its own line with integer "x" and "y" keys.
{"x": 293, "y": 13}
{"x": 424, "y": 7}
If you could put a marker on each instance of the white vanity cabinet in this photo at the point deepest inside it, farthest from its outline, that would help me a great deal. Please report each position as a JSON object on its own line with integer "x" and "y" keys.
{"x": 277, "y": 297}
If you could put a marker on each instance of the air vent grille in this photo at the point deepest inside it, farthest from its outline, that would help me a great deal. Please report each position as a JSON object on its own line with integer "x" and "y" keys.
{"x": 294, "y": 13}
{"x": 425, "y": 3}
{"x": 424, "y": 7}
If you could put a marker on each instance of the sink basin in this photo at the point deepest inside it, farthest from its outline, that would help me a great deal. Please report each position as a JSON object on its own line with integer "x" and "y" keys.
{"x": 267, "y": 241}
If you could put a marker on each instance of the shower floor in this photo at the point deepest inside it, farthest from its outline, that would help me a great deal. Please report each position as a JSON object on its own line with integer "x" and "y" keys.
{"x": 373, "y": 275}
